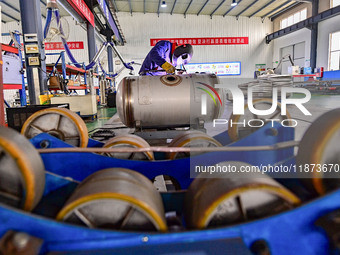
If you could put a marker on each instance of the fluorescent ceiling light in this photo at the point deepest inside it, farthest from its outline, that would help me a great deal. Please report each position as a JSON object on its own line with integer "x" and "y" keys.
{"x": 234, "y": 3}
{"x": 163, "y": 5}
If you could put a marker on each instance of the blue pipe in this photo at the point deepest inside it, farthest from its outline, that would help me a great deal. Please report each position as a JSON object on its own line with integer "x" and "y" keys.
{"x": 48, "y": 21}
{"x": 66, "y": 47}
{"x": 7, "y": 104}
{"x": 128, "y": 65}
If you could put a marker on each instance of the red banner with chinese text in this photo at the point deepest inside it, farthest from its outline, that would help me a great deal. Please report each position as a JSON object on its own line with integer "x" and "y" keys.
{"x": 204, "y": 40}
{"x": 59, "y": 45}
{"x": 82, "y": 9}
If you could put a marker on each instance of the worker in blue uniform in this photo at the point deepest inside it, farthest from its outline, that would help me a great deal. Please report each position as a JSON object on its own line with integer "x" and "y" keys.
{"x": 166, "y": 56}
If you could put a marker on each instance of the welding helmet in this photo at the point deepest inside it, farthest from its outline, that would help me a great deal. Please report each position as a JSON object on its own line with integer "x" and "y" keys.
{"x": 182, "y": 54}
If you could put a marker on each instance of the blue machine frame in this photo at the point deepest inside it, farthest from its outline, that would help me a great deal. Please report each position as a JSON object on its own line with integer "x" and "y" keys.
{"x": 291, "y": 232}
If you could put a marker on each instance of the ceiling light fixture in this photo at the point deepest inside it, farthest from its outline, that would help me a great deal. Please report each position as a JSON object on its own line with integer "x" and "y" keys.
{"x": 163, "y": 5}
{"x": 234, "y": 3}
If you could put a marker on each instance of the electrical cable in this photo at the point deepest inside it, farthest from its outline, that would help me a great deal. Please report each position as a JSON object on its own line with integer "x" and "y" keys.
{"x": 290, "y": 59}
{"x": 68, "y": 51}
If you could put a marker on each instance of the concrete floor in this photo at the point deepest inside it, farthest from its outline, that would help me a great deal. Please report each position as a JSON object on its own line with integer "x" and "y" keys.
{"x": 104, "y": 115}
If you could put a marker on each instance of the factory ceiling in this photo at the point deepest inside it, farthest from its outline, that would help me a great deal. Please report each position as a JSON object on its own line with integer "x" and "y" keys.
{"x": 10, "y": 10}
{"x": 247, "y": 8}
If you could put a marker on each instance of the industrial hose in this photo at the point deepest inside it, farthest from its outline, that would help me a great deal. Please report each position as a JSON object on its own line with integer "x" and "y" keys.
{"x": 68, "y": 51}
{"x": 48, "y": 21}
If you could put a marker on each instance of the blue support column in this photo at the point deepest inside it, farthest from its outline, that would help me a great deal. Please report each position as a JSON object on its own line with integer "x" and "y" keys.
{"x": 63, "y": 64}
{"x": 91, "y": 41}
{"x": 314, "y": 36}
{"x": 108, "y": 33}
{"x": 31, "y": 24}
{"x": 110, "y": 60}
{"x": 91, "y": 37}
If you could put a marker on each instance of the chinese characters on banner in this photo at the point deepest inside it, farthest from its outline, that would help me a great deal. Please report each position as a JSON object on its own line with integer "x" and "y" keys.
{"x": 82, "y": 9}
{"x": 204, "y": 41}
{"x": 59, "y": 45}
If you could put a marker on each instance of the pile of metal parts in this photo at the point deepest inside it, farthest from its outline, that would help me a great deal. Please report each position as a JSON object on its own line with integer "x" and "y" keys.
{"x": 263, "y": 86}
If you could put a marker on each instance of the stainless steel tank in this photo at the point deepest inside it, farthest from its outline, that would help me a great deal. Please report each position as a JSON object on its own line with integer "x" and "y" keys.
{"x": 169, "y": 100}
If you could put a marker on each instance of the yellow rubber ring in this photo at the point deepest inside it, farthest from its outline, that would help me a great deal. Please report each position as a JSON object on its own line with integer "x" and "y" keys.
{"x": 23, "y": 163}
{"x": 161, "y": 224}
{"x": 281, "y": 192}
{"x": 149, "y": 154}
{"x": 173, "y": 154}
{"x": 79, "y": 123}
{"x": 317, "y": 155}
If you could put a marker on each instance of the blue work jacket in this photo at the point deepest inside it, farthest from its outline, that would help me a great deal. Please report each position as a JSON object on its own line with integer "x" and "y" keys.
{"x": 158, "y": 55}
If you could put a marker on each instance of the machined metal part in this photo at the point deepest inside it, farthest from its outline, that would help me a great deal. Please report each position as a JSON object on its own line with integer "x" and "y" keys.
{"x": 22, "y": 173}
{"x": 116, "y": 198}
{"x": 318, "y": 158}
{"x": 20, "y": 243}
{"x": 240, "y": 126}
{"x": 52, "y": 4}
{"x": 263, "y": 86}
{"x": 153, "y": 134}
{"x": 99, "y": 52}
{"x": 191, "y": 139}
{"x": 58, "y": 122}
{"x": 229, "y": 198}
{"x": 169, "y": 101}
{"x": 129, "y": 141}
{"x": 111, "y": 44}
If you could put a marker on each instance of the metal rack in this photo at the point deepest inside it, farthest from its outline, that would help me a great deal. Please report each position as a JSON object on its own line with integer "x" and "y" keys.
{"x": 20, "y": 86}
{"x": 66, "y": 70}
{"x": 6, "y": 86}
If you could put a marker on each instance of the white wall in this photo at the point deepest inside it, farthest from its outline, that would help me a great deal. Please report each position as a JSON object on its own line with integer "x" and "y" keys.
{"x": 139, "y": 28}
{"x": 302, "y": 35}
{"x": 277, "y": 21}
{"x": 325, "y": 28}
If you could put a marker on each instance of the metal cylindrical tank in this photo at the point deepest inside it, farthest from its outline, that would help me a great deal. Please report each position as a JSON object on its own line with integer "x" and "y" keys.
{"x": 169, "y": 100}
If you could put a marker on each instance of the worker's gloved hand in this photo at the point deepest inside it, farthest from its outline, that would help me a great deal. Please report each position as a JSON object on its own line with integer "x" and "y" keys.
{"x": 168, "y": 67}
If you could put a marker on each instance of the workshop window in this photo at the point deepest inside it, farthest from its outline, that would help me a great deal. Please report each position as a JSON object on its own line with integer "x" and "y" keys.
{"x": 294, "y": 18}
{"x": 334, "y": 51}
{"x": 335, "y": 3}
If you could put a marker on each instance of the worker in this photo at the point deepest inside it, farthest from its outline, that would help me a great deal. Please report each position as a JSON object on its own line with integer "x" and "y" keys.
{"x": 166, "y": 56}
